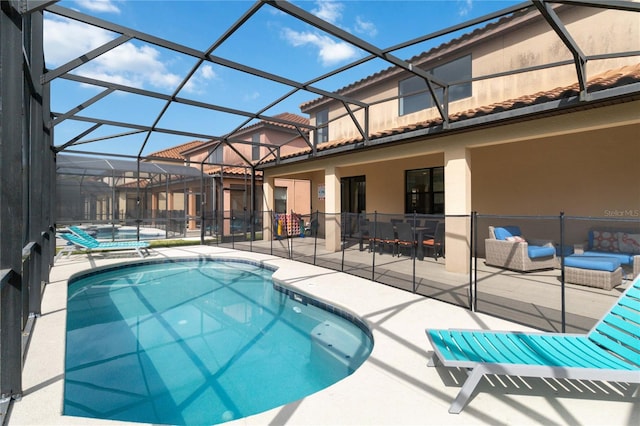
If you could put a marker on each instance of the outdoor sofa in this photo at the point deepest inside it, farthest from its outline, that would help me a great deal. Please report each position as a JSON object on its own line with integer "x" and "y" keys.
{"x": 617, "y": 244}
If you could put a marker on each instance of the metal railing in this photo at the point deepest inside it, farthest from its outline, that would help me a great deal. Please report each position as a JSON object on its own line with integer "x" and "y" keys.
{"x": 537, "y": 298}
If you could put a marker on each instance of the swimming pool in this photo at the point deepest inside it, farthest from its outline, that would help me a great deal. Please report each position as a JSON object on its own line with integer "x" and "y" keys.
{"x": 198, "y": 342}
{"x": 109, "y": 233}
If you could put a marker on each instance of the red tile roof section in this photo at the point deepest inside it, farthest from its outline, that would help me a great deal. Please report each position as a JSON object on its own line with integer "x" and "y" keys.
{"x": 228, "y": 170}
{"x": 613, "y": 78}
{"x": 294, "y": 118}
{"x": 176, "y": 151}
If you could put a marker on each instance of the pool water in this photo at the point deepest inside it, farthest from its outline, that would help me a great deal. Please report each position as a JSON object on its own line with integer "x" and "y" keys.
{"x": 109, "y": 233}
{"x": 198, "y": 342}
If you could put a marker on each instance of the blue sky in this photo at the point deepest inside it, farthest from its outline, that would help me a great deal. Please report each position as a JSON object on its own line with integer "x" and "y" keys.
{"x": 271, "y": 41}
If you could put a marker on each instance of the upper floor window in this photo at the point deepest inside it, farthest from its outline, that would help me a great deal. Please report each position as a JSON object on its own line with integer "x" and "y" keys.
{"x": 216, "y": 156}
{"x": 255, "y": 147}
{"x": 414, "y": 94}
{"x": 322, "y": 124}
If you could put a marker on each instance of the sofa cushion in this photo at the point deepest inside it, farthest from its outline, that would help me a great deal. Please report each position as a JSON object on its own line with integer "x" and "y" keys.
{"x": 623, "y": 258}
{"x": 607, "y": 263}
{"x": 629, "y": 243}
{"x": 502, "y": 232}
{"x": 535, "y": 252}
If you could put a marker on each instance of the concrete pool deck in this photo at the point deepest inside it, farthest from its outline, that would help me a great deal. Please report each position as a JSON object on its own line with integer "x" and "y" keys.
{"x": 393, "y": 387}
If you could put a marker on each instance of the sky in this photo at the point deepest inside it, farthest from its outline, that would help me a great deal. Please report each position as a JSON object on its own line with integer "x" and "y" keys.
{"x": 270, "y": 41}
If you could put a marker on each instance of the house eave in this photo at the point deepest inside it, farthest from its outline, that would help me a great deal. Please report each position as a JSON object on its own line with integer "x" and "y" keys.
{"x": 616, "y": 95}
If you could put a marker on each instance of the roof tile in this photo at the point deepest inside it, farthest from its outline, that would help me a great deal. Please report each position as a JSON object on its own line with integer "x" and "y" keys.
{"x": 626, "y": 75}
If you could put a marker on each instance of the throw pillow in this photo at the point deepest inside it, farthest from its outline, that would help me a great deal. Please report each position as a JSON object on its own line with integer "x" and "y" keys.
{"x": 629, "y": 243}
{"x": 517, "y": 239}
{"x": 605, "y": 241}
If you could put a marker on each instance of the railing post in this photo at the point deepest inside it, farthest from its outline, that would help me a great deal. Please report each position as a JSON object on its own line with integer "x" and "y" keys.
{"x": 562, "y": 287}
{"x": 373, "y": 258}
{"x": 414, "y": 242}
{"x": 343, "y": 232}
{"x": 473, "y": 263}
{"x": 274, "y": 230}
{"x": 315, "y": 240}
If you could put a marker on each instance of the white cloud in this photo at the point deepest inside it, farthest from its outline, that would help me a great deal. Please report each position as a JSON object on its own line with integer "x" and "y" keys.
{"x": 207, "y": 72}
{"x": 464, "y": 7}
{"x": 328, "y": 10}
{"x": 198, "y": 81}
{"x": 107, "y": 6}
{"x": 330, "y": 51}
{"x": 130, "y": 64}
{"x": 251, "y": 96}
{"x": 364, "y": 27}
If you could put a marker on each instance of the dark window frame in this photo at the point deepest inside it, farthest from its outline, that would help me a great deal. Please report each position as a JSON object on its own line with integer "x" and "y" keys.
{"x": 414, "y": 95}
{"x": 429, "y": 199}
{"x": 322, "y": 124}
{"x": 255, "y": 147}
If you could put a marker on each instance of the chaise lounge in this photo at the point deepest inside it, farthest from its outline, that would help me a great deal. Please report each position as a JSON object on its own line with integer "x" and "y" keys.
{"x": 80, "y": 240}
{"x": 609, "y": 352}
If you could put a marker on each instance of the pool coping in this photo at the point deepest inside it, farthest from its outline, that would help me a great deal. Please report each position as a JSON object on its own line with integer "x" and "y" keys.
{"x": 394, "y": 386}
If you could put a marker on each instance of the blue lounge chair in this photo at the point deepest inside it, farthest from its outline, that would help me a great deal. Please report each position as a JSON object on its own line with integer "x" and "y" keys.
{"x": 609, "y": 352}
{"x": 90, "y": 244}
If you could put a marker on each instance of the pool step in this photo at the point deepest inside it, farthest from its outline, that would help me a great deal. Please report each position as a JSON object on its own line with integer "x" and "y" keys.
{"x": 330, "y": 343}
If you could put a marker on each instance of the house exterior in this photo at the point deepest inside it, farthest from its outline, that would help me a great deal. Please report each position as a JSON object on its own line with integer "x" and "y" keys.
{"x": 228, "y": 193}
{"x": 520, "y": 131}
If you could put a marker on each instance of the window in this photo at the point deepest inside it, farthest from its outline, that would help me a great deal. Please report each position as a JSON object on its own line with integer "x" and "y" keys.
{"x": 280, "y": 199}
{"x": 255, "y": 147}
{"x": 414, "y": 94}
{"x": 216, "y": 156}
{"x": 425, "y": 191}
{"x": 322, "y": 122}
{"x": 353, "y": 194}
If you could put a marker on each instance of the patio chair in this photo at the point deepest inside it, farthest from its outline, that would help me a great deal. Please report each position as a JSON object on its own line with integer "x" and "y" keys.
{"x": 506, "y": 248}
{"x": 406, "y": 238}
{"x": 92, "y": 245}
{"x": 609, "y": 352}
{"x": 382, "y": 235}
{"x": 435, "y": 243}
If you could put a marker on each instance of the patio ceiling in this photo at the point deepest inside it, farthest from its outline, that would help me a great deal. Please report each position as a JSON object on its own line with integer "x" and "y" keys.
{"x": 311, "y": 87}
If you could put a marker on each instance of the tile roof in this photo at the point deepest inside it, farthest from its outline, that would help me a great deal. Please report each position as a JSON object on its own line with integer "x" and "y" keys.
{"x": 499, "y": 25}
{"x": 607, "y": 80}
{"x": 295, "y": 118}
{"x": 229, "y": 171}
{"x": 175, "y": 152}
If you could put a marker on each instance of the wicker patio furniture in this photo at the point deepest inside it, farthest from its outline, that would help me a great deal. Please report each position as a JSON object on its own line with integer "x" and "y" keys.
{"x": 518, "y": 254}
{"x": 598, "y": 272}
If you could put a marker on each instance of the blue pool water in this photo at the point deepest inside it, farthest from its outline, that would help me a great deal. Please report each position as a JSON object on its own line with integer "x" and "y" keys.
{"x": 198, "y": 342}
{"x": 109, "y": 233}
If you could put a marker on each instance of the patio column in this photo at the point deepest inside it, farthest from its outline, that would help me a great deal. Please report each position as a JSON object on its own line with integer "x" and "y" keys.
{"x": 457, "y": 201}
{"x": 268, "y": 185}
{"x": 332, "y": 208}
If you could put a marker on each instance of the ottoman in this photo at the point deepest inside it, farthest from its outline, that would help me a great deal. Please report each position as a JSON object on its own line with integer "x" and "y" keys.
{"x": 600, "y": 272}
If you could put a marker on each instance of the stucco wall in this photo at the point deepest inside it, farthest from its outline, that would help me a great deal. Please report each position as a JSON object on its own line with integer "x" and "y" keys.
{"x": 585, "y": 174}
{"x": 531, "y": 44}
